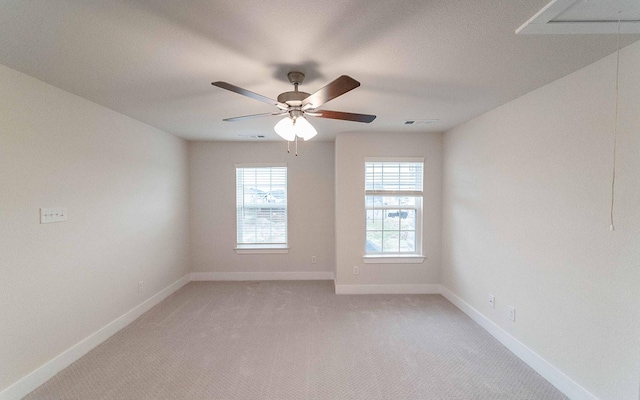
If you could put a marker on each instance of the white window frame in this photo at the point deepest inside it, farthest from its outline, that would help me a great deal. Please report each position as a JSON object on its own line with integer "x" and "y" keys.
{"x": 395, "y": 257}
{"x": 261, "y": 248}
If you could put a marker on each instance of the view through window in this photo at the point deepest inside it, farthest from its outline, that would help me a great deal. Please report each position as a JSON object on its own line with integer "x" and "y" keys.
{"x": 393, "y": 204}
{"x": 261, "y": 206}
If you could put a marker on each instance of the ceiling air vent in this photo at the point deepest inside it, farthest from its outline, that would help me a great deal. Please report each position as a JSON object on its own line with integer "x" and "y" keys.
{"x": 252, "y": 136}
{"x": 420, "y": 121}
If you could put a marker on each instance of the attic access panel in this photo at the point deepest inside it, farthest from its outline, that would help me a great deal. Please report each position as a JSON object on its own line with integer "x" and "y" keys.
{"x": 584, "y": 16}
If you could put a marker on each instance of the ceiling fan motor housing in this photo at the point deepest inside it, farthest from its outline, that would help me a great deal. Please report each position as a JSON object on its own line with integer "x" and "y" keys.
{"x": 288, "y": 97}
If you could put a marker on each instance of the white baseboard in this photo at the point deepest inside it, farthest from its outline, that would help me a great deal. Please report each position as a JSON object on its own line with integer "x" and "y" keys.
{"x": 388, "y": 289}
{"x": 262, "y": 276}
{"x": 36, "y": 378}
{"x": 558, "y": 379}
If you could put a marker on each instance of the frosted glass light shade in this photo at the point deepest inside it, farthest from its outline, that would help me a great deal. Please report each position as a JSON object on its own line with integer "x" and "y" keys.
{"x": 304, "y": 129}
{"x": 286, "y": 129}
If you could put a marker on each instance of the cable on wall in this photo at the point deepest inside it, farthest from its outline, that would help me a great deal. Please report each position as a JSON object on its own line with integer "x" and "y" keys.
{"x": 615, "y": 130}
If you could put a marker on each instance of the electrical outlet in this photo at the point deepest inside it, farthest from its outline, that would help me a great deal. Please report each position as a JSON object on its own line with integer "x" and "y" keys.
{"x": 356, "y": 270}
{"x": 140, "y": 286}
{"x": 512, "y": 313}
{"x": 314, "y": 260}
{"x": 492, "y": 301}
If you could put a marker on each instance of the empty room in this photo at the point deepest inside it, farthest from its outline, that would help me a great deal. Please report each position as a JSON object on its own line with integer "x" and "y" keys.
{"x": 320, "y": 200}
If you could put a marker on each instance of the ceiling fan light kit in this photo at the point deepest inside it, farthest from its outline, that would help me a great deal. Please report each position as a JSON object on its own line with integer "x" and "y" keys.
{"x": 288, "y": 128}
{"x": 297, "y": 105}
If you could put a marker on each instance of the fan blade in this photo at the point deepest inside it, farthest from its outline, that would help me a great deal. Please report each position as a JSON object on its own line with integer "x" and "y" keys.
{"x": 343, "y": 116}
{"x": 248, "y": 93}
{"x": 253, "y": 116}
{"x": 334, "y": 89}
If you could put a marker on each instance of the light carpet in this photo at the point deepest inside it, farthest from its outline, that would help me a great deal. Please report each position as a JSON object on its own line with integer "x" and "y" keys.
{"x": 298, "y": 340}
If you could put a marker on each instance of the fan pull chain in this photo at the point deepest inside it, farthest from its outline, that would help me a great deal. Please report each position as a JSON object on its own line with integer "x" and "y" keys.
{"x": 288, "y": 149}
{"x": 615, "y": 129}
{"x": 296, "y": 145}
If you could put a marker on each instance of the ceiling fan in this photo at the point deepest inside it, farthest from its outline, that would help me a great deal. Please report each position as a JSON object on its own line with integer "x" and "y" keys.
{"x": 298, "y": 105}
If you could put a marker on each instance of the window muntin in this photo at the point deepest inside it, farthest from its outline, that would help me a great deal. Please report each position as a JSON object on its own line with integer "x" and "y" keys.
{"x": 261, "y": 206}
{"x": 393, "y": 204}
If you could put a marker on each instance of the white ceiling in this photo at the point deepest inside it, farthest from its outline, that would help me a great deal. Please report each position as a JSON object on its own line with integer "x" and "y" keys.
{"x": 154, "y": 60}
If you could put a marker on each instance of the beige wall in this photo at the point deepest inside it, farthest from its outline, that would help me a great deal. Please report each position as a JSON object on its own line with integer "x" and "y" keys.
{"x": 351, "y": 149}
{"x": 125, "y": 187}
{"x": 526, "y": 192}
{"x": 213, "y": 205}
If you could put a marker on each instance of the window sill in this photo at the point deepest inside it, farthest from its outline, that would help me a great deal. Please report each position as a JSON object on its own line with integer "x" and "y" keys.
{"x": 266, "y": 249}
{"x": 393, "y": 259}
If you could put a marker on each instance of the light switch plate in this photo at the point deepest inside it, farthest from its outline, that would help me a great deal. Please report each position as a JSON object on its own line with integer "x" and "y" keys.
{"x": 50, "y": 215}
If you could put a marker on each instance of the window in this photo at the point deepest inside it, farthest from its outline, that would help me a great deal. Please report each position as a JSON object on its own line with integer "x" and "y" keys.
{"x": 261, "y": 207}
{"x": 393, "y": 206}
